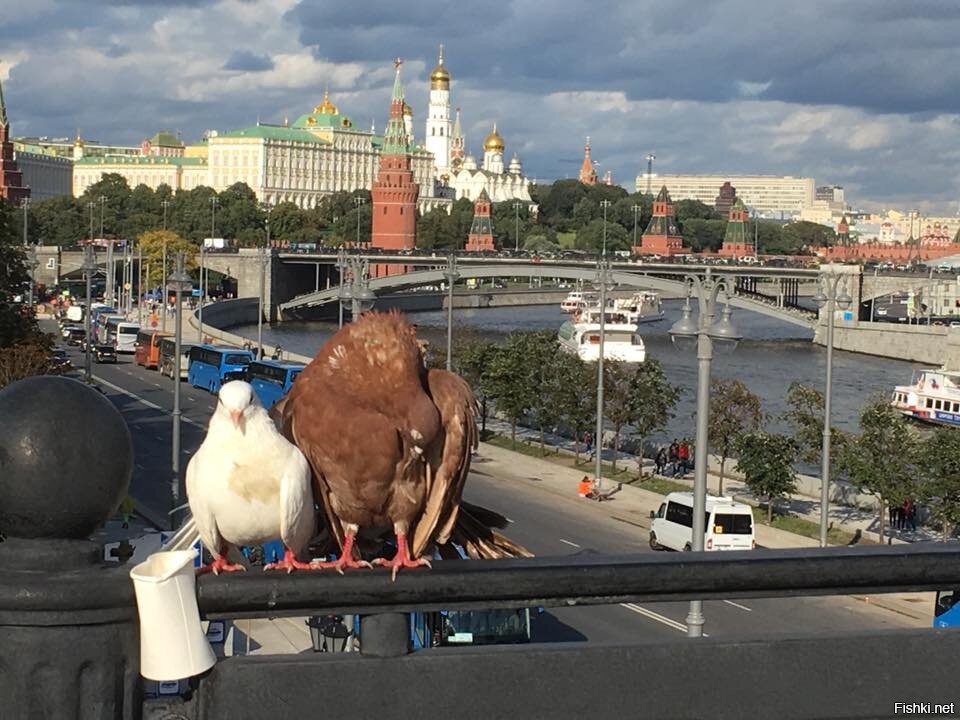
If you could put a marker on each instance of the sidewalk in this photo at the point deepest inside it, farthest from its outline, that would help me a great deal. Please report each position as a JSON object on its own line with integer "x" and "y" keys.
{"x": 633, "y": 505}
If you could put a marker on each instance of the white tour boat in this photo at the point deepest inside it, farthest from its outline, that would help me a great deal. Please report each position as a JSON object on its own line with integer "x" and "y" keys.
{"x": 643, "y": 307}
{"x": 933, "y": 396}
{"x": 620, "y": 339}
{"x": 577, "y": 300}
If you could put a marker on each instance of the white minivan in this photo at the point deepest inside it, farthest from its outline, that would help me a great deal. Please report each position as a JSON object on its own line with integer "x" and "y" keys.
{"x": 729, "y": 524}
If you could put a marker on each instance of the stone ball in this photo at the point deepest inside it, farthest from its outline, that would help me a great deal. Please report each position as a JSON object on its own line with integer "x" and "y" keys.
{"x": 66, "y": 458}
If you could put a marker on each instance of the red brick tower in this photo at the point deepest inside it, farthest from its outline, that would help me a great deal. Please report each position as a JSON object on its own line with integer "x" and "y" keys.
{"x": 843, "y": 232}
{"x": 481, "y": 231}
{"x": 588, "y": 173}
{"x": 726, "y": 199}
{"x": 661, "y": 236}
{"x": 736, "y": 242}
{"x": 394, "y": 192}
{"x": 11, "y": 179}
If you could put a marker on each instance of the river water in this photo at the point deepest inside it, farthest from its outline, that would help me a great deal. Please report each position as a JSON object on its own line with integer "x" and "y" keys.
{"x": 771, "y": 356}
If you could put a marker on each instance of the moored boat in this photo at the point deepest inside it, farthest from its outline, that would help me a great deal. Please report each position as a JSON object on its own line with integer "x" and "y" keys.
{"x": 621, "y": 341}
{"x": 643, "y": 306}
{"x": 933, "y": 396}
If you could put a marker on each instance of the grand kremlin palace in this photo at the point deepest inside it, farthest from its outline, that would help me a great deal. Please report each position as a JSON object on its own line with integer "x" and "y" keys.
{"x": 320, "y": 153}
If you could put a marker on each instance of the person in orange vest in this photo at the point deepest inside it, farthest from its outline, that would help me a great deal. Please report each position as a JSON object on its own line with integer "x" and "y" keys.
{"x": 585, "y": 488}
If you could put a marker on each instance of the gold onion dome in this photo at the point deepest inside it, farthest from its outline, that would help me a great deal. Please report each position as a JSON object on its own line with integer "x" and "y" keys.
{"x": 326, "y": 107}
{"x": 440, "y": 77}
{"x": 407, "y": 110}
{"x": 493, "y": 143}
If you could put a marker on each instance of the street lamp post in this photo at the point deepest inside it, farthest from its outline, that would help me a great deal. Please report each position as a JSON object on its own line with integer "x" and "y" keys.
{"x": 343, "y": 291}
{"x": 827, "y": 298}
{"x": 179, "y": 281}
{"x": 358, "y": 201}
{"x": 705, "y": 331}
{"x": 451, "y": 275}
{"x": 89, "y": 267}
{"x": 603, "y": 268}
{"x": 140, "y": 285}
{"x": 108, "y": 288}
{"x": 361, "y": 297}
{"x": 32, "y": 264}
{"x": 163, "y": 315}
{"x": 516, "y": 220}
{"x": 636, "y": 209}
{"x": 262, "y": 260}
{"x": 214, "y": 201}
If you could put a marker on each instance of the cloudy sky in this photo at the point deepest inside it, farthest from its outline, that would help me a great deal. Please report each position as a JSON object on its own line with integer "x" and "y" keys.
{"x": 861, "y": 93}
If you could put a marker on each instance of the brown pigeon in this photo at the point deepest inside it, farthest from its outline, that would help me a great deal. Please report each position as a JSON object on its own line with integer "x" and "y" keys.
{"x": 389, "y": 443}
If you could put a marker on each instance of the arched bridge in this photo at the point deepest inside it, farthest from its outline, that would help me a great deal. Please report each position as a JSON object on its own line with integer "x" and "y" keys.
{"x": 668, "y": 278}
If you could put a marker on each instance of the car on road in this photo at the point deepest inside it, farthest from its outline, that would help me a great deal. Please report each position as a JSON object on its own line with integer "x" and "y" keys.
{"x": 76, "y": 336}
{"x": 105, "y": 354}
{"x": 728, "y": 524}
{"x": 60, "y": 361}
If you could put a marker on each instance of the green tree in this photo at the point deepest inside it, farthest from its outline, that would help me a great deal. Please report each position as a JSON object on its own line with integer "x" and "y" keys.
{"x": 472, "y": 358}
{"x": 286, "y": 219}
{"x": 238, "y": 210}
{"x": 591, "y": 237}
{"x": 734, "y": 410}
{"x": 805, "y": 417}
{"x": 115, "y": 191}
{"x": 704, "y": 235}
{"x": 576, "y": 395}
{"x": 766, "y": 461}
{"x": 882, "y": 458}
{"x": 685, "y": 210}
{"x": 57, "y": 221}
{"x": 540, "y": 378}
{"x": 505, "y": 379}
{"x": 505, "y": 219}
{"x": 190, "y": 214}
{"x": 940, "y": 453}
{"x": 801, "y": 236}
{"x": 654, "y": 399}
{"x": 152, "y": 242}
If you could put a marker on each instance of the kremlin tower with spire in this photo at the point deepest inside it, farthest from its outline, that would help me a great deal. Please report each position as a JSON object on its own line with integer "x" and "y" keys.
{"x": 394, "y": 192}
{"x": 662, "y": 237}
{"x": 11, "y": 179}
{"x": 481, "y": 230}
{"x": 588, "y": 173}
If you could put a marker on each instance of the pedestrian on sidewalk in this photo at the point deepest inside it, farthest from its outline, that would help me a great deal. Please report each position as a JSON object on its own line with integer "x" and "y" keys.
{"x": 588, "y": 444}
{"x": 660, "y": 460}
{"x": 683, "y": 453}
{"x": 908, "y": 514}
{"x": 673, "y": 455}
{"x": 895, "y": 516}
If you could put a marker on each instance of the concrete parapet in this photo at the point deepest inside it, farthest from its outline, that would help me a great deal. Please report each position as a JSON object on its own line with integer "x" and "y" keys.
{"x": 935, "y": 345}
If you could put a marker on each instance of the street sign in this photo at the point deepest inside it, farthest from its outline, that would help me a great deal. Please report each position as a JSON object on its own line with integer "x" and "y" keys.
{"x": 195, "y": 292}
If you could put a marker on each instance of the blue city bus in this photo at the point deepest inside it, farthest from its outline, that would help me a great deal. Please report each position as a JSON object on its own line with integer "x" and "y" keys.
{"x": 213, "y": 365}
{"x": 271, "y": 379}
{"x": 946, "y": 609}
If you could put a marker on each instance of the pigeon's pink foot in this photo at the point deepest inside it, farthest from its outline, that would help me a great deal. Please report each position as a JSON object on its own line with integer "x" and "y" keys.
{"x": 290, "y": 563}
{"x": 220, "y": 565}
{"x": 345, "y": 561}
{"x": 402, "y": 559}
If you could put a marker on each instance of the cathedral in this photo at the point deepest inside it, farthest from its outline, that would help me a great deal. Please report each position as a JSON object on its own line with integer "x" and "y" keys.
{"x": 457, "y": 172}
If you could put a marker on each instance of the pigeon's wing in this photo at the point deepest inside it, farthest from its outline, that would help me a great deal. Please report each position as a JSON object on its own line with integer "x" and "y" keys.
{"x": 201, "y": 510}
{"x": 296, "y": 502}
{"x": 448, "y": 458}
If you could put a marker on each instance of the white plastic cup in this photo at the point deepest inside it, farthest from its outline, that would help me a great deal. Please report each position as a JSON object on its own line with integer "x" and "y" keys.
{"x": 173, "y": 645}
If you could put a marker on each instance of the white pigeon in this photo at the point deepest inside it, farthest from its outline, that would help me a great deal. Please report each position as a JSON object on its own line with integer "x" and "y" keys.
{"x": 247, "y": 484}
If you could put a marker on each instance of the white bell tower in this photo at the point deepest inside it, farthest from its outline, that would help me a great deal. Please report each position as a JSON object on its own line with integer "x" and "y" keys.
{"x": 438, "y": 117}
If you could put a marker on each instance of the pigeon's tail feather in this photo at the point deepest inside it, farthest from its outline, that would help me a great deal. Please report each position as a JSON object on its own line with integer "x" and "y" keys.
{"x": 479, "y": 541}
{"x": 486, "y": 516}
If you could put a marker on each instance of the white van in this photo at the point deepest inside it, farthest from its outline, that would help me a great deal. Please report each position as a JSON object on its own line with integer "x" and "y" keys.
{"x": 729, "y": 524}
{"x": 126, "y": 339}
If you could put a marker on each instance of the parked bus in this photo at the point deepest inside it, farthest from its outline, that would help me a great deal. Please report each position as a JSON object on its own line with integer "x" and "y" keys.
{"x": 271, "y": 379}
{"x": 147, "y": 352}
{"x": 166, "y": 364}
{"x": 125, "y": 337}
{"x": 213, "y": 365}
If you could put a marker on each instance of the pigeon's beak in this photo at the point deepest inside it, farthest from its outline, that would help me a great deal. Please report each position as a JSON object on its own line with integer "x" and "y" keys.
{"x": 237, "y": 417}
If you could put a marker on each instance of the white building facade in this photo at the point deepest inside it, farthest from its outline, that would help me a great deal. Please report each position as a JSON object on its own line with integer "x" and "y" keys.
{"x": 783, "y": 195}
{"x": 439, "y": 126}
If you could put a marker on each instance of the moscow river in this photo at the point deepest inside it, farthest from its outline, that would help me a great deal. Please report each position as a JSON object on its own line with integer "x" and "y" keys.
{"x": 771, "y": 356}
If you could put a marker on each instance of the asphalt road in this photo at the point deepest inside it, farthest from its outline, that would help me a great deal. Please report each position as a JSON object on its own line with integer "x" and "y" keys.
{"x": 544, "y": 522}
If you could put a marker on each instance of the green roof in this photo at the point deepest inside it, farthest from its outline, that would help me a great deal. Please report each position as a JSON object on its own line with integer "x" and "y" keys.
{"x": 275, "y": 132}
{"x": 139, "y": 160}
{"x": 165, "y": 138}
{"x": 324, "y": 120}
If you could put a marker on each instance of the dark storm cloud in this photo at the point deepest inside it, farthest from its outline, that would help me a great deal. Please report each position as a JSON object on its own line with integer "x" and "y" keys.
{"x": 248, "y": 62}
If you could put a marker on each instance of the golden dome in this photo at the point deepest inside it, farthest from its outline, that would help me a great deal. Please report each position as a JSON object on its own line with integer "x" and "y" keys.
{"x": 493, "y": 143}
{"x": 407, "y": 110}
{"x": 440, "y": 77}
{"x": 326, "y": 107}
